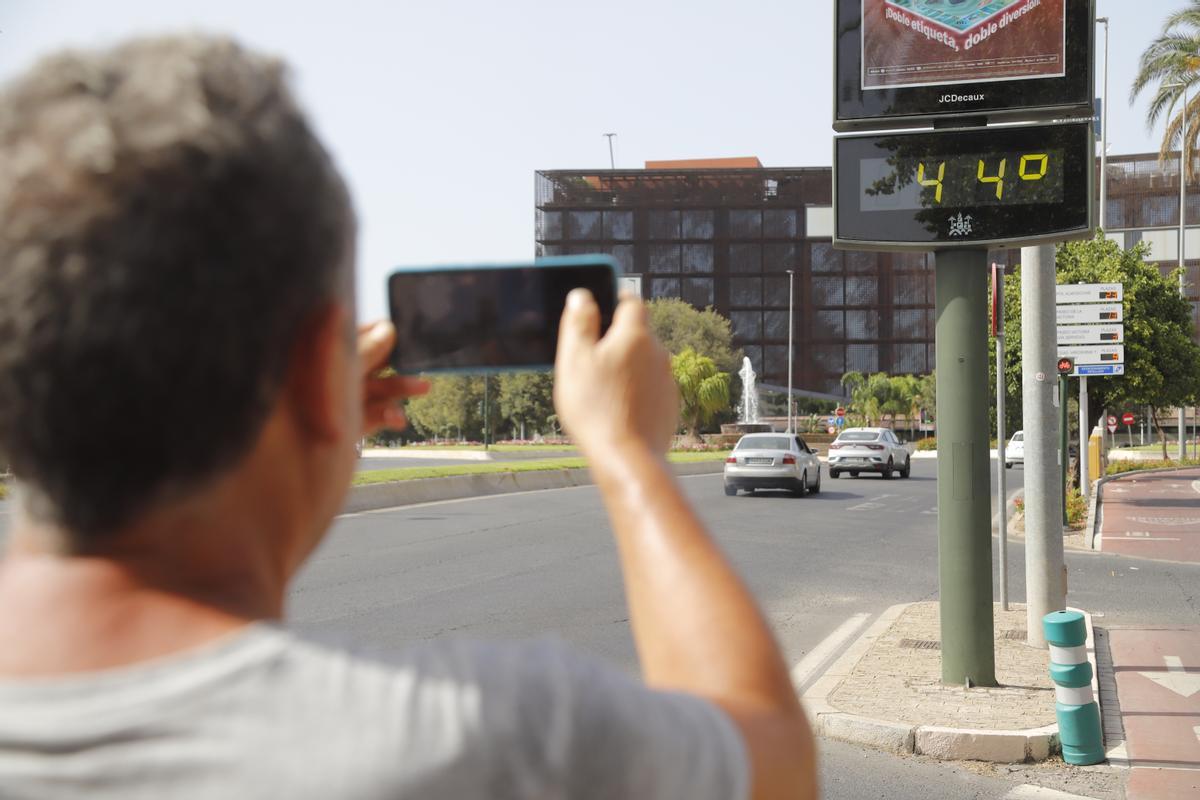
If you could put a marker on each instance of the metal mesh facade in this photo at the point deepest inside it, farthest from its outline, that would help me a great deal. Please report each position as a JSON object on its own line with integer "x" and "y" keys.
{"x": 726, "y": 237}
{"x": 1143, "y": 205}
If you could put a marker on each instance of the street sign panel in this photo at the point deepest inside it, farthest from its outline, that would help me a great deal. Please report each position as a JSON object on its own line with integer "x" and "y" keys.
{"x": 1089, "y": 293}
{"x": 631, "y": 284}
{"x": 1112, "y": 426}
{"x": 1091, "y": 334}
{"x": 1127, "y": 418}
{"x": 841, "y": 412}
{"x": 1090, "y": 313}
{"x": 1093, "y": 354}
{"x": 1092, "y": 370}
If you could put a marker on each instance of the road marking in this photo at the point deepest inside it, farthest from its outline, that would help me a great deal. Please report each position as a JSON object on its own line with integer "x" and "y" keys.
{"x": 1140, "y": 537}
{"x": 1028, "y": 791}
{"x": 813, "y": 664}
{"x": 1196, "y": 487}
{"x": 1169, "y": 522}
{"x": 865, "y": 506}
{"x": 1196, "y": 730}
{"x": 1176, "y": 678}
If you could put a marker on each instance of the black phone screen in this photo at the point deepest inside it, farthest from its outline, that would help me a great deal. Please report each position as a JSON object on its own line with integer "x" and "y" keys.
{"x": 490, "y": 317}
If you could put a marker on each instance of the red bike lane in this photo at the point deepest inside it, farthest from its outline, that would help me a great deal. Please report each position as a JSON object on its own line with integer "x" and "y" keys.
{"x": 1152, "y": 516}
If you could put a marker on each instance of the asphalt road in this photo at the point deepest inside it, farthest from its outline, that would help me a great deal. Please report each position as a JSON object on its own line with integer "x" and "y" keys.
{"x": 537, "y": 564}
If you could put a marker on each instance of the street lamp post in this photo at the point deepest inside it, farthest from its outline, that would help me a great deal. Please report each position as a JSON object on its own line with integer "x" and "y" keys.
{"x": 791, "y": 333}
{"x": 1104, "y": 133}
{"x": 1183, "y": 139}
{"x": 612, "y": 161}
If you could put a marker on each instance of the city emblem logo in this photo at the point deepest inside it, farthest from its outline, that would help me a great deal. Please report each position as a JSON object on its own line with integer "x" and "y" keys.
{"x": 960, "y": 225}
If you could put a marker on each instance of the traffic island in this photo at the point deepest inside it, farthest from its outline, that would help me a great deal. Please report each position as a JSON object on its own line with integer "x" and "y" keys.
{"x": 886, "y": 692}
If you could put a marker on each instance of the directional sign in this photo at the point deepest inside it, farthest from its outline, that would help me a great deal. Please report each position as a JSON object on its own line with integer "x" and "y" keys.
{"x": 1127, "y": 418}
{"x": 1093, "y": 353}
{"x": 1089, "y": 293}
{"x": 1090, "y": 313}
{"x": 1094, "y": 370}
{"x": 1091, "y": 334}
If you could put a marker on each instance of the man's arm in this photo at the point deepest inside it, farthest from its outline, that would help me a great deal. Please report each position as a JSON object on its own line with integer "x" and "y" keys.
{"x": 696, "y": 626}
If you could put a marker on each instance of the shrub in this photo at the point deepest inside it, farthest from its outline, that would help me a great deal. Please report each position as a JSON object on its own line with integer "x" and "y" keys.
{"x": 926, "y": 444}
{"x": 1076, "y": 507}
{"x": 1121, "y": 467}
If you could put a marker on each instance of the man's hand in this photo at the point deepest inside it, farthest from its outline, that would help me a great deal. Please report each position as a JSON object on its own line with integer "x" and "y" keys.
{"x": 383, "y": 390}
{"x": 614, "y": 390}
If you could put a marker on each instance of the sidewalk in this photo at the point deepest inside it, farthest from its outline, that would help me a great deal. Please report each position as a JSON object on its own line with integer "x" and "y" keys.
{"x": 1153, "y": 515}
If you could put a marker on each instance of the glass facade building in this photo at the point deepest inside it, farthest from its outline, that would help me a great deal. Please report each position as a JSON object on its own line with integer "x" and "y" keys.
{"x": 726, "y": 237}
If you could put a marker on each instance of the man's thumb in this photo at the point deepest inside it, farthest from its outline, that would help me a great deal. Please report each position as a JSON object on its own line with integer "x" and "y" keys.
{"x": 580, "y": 321}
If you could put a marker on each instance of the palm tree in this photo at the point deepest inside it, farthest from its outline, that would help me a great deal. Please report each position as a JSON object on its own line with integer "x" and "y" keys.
{"x": 1172, "y": 62}
{"x": 703, "y": 389}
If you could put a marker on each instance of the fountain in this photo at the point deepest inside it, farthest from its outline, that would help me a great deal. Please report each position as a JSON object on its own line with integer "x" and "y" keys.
{"x": 748, "y": 407}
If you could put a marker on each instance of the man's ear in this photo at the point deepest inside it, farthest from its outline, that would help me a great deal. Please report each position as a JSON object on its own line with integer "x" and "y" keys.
{"x": 320, "y": 374}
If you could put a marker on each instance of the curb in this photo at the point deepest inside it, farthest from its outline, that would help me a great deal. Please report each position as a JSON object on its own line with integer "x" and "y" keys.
{"x": 947, "y": 744}
{"x": 1091, "y": 528}
{"x": 377, "y": 496}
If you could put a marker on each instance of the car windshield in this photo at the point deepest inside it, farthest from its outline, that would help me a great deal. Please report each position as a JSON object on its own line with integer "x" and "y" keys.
{"x": 1019, "y": 436}
{"x": 764, "y": 443}
{"x": 858, "y": 436}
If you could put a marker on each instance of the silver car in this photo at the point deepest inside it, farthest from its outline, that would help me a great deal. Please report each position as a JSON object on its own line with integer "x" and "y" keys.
{"x": 858, "y": 450}
{"x": 772, "y": 461}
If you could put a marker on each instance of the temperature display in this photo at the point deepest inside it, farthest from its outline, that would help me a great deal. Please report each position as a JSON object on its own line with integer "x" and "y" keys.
{"x": 971, "y": 186}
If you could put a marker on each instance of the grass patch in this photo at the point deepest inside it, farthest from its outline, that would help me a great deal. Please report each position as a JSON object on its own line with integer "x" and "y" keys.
{"x": 1122, "y": 467}
{"x": 499, "y": 448}
{"x": 539, "y": 465}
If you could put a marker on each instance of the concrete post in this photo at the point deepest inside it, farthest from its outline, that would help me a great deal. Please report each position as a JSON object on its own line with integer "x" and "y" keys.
{"x": 1044, "y": 586}
{"x": 964, "y": 497}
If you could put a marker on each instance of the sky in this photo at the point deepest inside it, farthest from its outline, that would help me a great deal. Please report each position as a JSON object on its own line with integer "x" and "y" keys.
{"x": 439, "y": 112}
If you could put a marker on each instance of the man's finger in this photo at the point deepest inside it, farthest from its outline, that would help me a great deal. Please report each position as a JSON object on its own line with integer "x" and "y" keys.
{"x": 375, "y": 343}
{"x": 631, "y": 311}
{"x": 580, "y": 324}
{"x": 394, "y": 387}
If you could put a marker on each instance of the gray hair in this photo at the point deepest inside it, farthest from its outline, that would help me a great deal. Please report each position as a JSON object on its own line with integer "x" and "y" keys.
{"x": 168, "y": 220}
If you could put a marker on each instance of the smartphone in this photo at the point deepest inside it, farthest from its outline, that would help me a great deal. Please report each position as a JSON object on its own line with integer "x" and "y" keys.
{"x": 488, "y": 317}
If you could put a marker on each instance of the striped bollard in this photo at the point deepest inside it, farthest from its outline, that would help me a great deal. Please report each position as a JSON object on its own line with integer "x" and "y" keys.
{"x": 1078, "y": 714}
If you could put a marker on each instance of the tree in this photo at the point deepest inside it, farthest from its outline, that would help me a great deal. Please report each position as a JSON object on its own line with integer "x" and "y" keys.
{"x": 680, "y": 326}
{"x": 703, "y": 389}
{"x": 526, "y": 398}
{"x": 446, "y": 410}
{"x": 1173, "y": 58}
{"x": 1162, "y": 361}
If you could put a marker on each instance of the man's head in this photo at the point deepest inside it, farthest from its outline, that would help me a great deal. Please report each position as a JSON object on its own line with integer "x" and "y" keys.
{"x": 170, "y": 228}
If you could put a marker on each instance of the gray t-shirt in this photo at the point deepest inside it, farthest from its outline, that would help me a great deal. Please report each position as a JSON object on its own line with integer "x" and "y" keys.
{"x": 266, "y": 713}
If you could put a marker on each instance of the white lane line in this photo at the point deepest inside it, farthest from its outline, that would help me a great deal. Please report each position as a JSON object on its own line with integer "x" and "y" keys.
{"x": 813, "y": 664}
{"x": 1028, "y": 791}
{"x": 1196, "y": 487}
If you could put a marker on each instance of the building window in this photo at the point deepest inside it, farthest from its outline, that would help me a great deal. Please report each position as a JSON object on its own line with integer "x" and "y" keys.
{"x": 746, "y": 292}
{"x": 583, "y": 225}
{"x": 831, "y": 359}
{"x": 1115, "y": 214}
{"x": 754, "y": 353}
{"x": 831, "y": 325}
{"x": 698, "y": 291}
{"x": 861, "y": 291}
{"x": 908, "y": 324}
{"x": 828, "y": 291}
{"x": 747, "y": 325}
{"x": 745, "y": 224}
{"x": 544, "y": 250}
{"x": 775, "y": 360}
{"x": 663, "y": 225}
{"x": 745, "y": 258}
{"x": 664, "y": 287}
{"x": 862, "y": 325}
{"x": 623, "y": 253}
{"x": 910, "y": 358}
{"x": 1160, "y": 211}
{"x": 618, "y": 225}
{"x": 779, "y": 223}
{"x": 862, "y": 358}
{"x": 824, "y": 258}
{"x": 775, "y": 292}
{"x": 779, "y": 257}
{"x": 698, "y": 224}
{"x": 908, "y": 290}
{"x": 775, "y": 324}
{"x": 664, "y": 258}
{"x": 698, "y": 258}
{"x": 549, "y": 225}
{"x": 858, "y": 261}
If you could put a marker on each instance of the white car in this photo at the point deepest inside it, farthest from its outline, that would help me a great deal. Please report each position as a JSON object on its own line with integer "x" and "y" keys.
{"x": 858, "y": 450}
{"x": 772, "y": 461}
{"x": 1014, "y": 451}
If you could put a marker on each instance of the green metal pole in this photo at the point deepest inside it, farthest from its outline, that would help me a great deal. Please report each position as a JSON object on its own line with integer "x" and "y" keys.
{"x": 964, "y": 494}
{"x": 1063, "y": 438}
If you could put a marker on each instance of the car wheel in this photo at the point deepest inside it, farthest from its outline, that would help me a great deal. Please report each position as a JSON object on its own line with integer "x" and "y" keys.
{"x": 833, "y": 473}
{"x": 816, "y": 489}
{"x": 887, "y": 471}
{"x": 853, "y": 473}
{"x": 730, "y": 491}
{"x": 904, "y": 473}
{"x": 802, "y": 488}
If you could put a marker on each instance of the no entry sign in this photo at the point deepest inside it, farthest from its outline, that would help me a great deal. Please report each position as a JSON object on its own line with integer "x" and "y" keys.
{"x": 1127, "y": 418}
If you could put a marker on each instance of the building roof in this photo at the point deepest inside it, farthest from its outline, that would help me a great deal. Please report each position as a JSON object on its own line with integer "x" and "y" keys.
{"x": 740, "y": 162}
